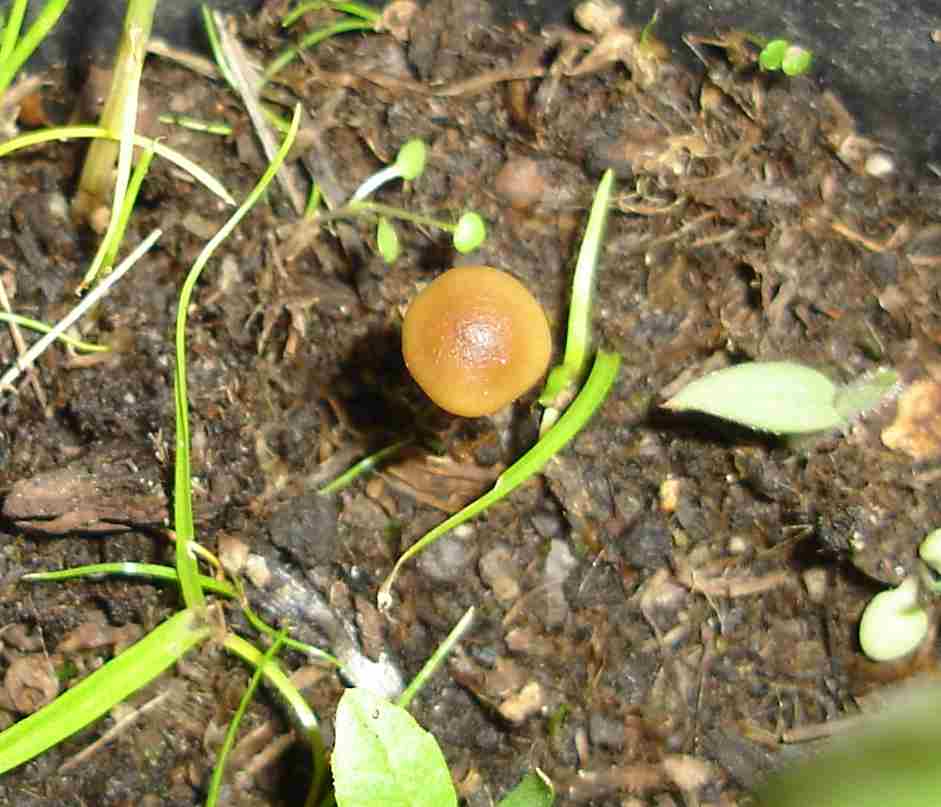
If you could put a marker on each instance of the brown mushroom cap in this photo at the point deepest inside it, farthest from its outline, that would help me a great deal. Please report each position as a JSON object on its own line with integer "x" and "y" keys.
{"x": 475, "y": 339}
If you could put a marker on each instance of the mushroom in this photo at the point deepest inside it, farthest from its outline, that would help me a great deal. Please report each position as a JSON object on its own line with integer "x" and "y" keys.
{"x": 475, "y": 339}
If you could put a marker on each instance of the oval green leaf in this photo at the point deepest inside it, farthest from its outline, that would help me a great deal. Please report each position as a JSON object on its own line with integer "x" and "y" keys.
{"x": 469, "y": 233}
{"x": 772, "y": 55}
{"x": 383, "y": 758}
{"x": 778, "y": 396}
{"x": 387, "y": 240}
{"x": 796, "y": 61}
{"x": 893, "y": 624}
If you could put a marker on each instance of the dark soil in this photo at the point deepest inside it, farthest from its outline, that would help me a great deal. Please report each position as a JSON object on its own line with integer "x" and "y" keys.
{"x": 666, "y": 609}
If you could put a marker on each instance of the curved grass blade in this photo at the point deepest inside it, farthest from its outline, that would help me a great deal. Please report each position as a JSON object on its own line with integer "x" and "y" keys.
{"x": 82, "y": 132}
{"x": 93, "y": 696}
{"x": 150, "y": 571}
{"x": 596, "y": 388}
{"x": 182, "y": 500}
{"x": 303, "y": 715}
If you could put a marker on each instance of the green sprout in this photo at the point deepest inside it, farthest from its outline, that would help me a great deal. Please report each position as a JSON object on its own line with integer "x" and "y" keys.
{"x": 387, "y": 240}
{"x": 564, "y": 378}
{"x": 469, "y": 232}
{"x": 15, "y": 50}
{"x": 894, "y": 623}
{"x": 783, "y": 397}
{"x": 409, "y": 165}
{"x": 930, "y": 551}
{"x": 790, "y": 59}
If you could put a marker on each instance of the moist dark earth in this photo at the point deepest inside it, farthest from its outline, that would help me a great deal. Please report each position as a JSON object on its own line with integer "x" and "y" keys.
{"x": 663, "y": 614}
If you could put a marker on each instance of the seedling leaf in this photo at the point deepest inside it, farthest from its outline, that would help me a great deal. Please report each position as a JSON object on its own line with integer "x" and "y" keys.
{"x": 779, "y": 397}
{"x": 383, "y": 758}
{"x": 772, "y": 55}
{"x": 893, "y": 623}
{"x": 796, "y": 61}
{"x": 469, "y": 233}
{"x": 387, "y": 240}
{"x": 411, "y": 159}
{"x": 535, "y": 790}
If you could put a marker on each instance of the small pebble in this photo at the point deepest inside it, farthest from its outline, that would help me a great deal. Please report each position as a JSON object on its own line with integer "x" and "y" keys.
{"x": 500, "y": 574}
{"x": 525, "y": 703}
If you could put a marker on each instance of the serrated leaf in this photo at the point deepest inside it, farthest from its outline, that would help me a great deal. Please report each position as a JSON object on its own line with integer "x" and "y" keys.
{"x": 535, "y": 790}
{"x": 865, "y": 393}
{"x": 779, "y": 397}
{"x": 383, "y": 758}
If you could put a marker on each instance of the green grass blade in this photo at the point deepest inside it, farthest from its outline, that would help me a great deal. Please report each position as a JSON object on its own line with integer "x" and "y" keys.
{"x": 42, "y": 327}
{"x": 151, "y": 571}
{"x": 365, "y": 465}
{"x": 182, "y": 499}
{"x": 596, "y": 388}
{"x": 215, "y": 783}
{"x": 30, "y": 41}
{"x": 79, "y": 132}
{"x": 93, "y": 696}
{"x": 578, "y": 337}
{"x": 287, "y": 56}
{"x": 304, "y": 717}
{"x": 11, "y": 28}
{"x": 437, "y": 658}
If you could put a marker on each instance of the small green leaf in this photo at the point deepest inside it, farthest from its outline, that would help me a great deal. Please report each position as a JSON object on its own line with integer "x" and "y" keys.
{"x": 410, "y": 160}
{"x": 387, "y": 240}
{"x": 930, "y": 550}
{"x": 383, "y": 758}
{"x": 469, "y": 233}
{"x": 796, "y": 61}
{"x": 535, "y": 790}
{"x": 893, "y": 623}
{"x": 772, "y": 55}
{"x": 779, "y": 397}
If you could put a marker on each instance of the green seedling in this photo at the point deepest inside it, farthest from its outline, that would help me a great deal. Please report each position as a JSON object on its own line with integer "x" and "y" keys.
{"x": 930, "y": 551}
{"x": 564, "y": 379}
{"x": 783, "y": 397}
{"x": 215, "y": 783}
{"x": 409, "y": 165}
{"x": 14, "y": 49}
{"x": 387, "y": 241}
{"x": 467, "y": 234}
{"x": 894, "y": 623}
{"x": 42, "y": 327}
{"x": 790, "y": 59}
{"x": 364, "y": 466}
